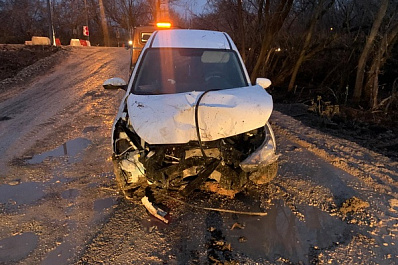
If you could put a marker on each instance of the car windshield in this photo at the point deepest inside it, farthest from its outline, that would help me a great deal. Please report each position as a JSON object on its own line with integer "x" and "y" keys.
{"x": 172, "y": 70}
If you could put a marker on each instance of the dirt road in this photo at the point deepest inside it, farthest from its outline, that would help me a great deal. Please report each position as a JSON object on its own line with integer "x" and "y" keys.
{"x": 333, "y": 201}
{"x": 55, "y": 150}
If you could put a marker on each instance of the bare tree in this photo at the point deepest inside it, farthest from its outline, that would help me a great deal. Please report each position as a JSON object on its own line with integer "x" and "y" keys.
{"x": 319, "y": 11}
{"x": 379, "y": 59}
{"x": 273, "y": 23}
{"x": 359, "y": 83}
{"x": 20, "y": 20}
{"x": 241, "y": 29}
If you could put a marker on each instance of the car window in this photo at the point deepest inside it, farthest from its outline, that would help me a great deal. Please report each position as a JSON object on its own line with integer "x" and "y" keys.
{"x": 167, "y": 71}
{"x": 145, "y": 36}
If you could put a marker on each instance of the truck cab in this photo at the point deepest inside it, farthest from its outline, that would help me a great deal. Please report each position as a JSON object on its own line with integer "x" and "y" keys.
{"x": 140, "y": 37}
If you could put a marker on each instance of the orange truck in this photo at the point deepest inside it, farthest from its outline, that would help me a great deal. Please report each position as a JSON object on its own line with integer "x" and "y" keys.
{"x": 141, "y": 35}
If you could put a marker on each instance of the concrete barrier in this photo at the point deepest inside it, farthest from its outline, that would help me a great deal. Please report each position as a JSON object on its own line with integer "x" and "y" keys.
{"x": 83, "y": 42}
{"x": 40, "y": 40}
{"x": 79, "y": 42}
{"x": 75, "y": 42}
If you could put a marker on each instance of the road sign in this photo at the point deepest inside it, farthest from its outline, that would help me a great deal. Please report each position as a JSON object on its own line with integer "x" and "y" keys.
{"x": 85, "y": 31}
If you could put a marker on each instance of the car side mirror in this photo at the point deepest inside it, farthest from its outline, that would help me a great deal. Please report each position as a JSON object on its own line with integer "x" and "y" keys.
{"x": 263, "y": 82}
{"x": 115, "y": 83}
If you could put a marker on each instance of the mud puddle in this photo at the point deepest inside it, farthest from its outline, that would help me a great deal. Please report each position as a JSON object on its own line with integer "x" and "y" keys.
{"x": 103, "y": 208}
{"x": 101, "y": 205}
{"x": 16, "y": 193}
{"x": 12, "y": 196}
{"x": 282, "y": 234}
{"x": 71, "y": 150}
{"x": 70, "y": 194}
{"x": 15, "y": 248}
{"x": 61, "y": 255}
{"x": 65, "y": 249}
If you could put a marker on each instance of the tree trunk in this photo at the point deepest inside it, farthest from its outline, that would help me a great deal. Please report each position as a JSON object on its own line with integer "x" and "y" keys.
{"x": 372, "y": 84}
{"x": 366, "y": 51}
{"x": 241, "y": 30}
{"x": 274, "y": 24}
{"x": 318, "y": 13}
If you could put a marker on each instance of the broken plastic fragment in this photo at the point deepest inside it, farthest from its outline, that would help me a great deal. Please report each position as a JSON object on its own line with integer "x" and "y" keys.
{"x": 132, "y": 165}
{"x": 154, "y": 210}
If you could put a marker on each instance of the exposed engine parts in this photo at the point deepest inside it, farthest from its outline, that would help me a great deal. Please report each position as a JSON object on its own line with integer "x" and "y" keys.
{"x": 230, "y": 162}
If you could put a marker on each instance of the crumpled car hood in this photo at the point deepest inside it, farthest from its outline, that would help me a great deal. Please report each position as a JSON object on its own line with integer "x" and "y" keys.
{"x": 170, "y": 118}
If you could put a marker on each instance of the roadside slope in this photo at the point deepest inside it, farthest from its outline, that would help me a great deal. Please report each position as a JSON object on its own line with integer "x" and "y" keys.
{"x": 30, "y": 107}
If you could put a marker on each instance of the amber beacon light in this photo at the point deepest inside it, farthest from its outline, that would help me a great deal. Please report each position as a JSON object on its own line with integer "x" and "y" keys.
{"x": 163, "y": 25}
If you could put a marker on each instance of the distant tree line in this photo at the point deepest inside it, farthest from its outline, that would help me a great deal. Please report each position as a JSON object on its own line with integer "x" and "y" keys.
{"x": 22, "y": 19}
{"x": 345, "y": 50}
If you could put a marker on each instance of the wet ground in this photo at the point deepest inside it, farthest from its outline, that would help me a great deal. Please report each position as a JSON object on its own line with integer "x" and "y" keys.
{"x": 56, "y": 179}
{"x": 307, "y": 221}
{"x": 333, "y": 201}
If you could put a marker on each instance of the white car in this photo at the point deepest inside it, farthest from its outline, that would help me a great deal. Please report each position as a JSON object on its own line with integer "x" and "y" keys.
{"x": 191, "y": 118}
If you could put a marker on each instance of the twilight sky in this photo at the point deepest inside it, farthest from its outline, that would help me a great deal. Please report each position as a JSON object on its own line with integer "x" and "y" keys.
{"x": 195, "y": 5}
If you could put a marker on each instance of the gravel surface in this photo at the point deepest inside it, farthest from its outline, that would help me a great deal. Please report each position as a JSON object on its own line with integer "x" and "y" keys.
{"x": 334, "y": 201}
{"x": 14, "y": 58}
{"x": 379, "y": 137}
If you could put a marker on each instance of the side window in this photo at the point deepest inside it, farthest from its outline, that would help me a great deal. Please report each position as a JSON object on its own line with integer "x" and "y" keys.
{"x": 145, "y": 36}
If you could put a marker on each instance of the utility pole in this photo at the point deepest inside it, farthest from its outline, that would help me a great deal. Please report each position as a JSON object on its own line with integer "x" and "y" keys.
{"x": 51, "y": 27}
{"x": 104, "y": 23}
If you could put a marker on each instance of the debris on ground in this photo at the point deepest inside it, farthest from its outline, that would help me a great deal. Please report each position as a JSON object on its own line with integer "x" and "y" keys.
{"x": 154, "y": 210}
{"x": 353, "y": 205}
{"x": 242, "y": 239}
{"x": 237, "y": 225}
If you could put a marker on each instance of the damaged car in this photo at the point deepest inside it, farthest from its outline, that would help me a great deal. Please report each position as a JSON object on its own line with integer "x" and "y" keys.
{"x": 191, "y": 119}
